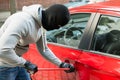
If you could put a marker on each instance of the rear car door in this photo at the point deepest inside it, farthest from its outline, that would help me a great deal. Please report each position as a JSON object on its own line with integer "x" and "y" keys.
{"x": 101, "y": 59}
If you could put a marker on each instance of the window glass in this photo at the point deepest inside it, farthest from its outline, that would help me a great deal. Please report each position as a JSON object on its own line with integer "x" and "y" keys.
{"x": 71, "y": 33}
{"x": 107, "y": 35}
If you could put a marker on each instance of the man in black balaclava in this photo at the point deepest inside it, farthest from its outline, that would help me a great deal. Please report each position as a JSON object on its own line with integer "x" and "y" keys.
{"x": 24, "y": 28}
{"x": 55, "y": 17}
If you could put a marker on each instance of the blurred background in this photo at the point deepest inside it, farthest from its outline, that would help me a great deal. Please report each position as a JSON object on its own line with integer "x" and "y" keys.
{"x": 8, "y": 7}
{"x": 6, "y": 4}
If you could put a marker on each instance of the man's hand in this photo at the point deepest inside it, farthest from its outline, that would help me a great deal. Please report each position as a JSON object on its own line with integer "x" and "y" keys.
{"x": 67, "y": 65}
{"x": 32, "y": 68}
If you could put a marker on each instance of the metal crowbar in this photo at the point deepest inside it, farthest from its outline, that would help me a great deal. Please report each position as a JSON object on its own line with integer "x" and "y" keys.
{"x": 49, "y": 69}
{"x": 52, "y": 69}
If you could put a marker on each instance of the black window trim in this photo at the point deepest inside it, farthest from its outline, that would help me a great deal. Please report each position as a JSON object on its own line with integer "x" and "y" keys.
{"x": 88, "y": 33}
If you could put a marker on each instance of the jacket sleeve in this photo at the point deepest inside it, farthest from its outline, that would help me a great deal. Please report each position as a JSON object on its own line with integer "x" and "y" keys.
{"x": 8, "y": 40}
{"x": 46, "y": 52}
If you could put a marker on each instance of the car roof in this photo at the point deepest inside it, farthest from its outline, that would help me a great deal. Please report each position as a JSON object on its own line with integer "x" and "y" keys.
{"x": 108, "y": 5}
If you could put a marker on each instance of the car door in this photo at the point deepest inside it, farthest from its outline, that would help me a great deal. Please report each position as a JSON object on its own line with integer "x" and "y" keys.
{"x": 101, "y": 60}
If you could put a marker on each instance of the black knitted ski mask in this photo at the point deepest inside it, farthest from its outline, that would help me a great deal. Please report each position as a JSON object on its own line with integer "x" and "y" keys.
{"x": 55, "y": 17}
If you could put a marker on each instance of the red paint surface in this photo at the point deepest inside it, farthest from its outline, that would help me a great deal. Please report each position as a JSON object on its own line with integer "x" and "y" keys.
{"x": 53, "y": 74}
{"x": 88, "y": 66}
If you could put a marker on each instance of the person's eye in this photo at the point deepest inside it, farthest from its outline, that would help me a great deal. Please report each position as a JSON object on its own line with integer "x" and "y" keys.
{"x": 59, "y": 26}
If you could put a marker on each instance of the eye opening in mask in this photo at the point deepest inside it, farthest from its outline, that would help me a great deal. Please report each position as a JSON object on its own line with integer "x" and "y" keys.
{"x": 59, "y": 26}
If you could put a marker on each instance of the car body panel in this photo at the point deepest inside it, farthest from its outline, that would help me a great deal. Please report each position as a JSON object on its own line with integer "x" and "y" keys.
{"x": 34, "y": 56}
{"x": 89, "y": 65}
{"x": 111, "y": 6}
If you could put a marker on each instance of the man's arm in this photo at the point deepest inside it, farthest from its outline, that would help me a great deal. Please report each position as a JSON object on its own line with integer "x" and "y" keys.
{"x": 49, "y": 55}
{"x": 46, "y": 52}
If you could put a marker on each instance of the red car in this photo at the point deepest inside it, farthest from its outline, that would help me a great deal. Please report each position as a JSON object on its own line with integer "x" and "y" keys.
{"x": 90, "y": 41}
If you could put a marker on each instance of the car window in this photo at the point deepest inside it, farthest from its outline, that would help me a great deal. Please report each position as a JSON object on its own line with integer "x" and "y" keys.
{"x": 107, "y": 35}
{"x": 71, "y": 33}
